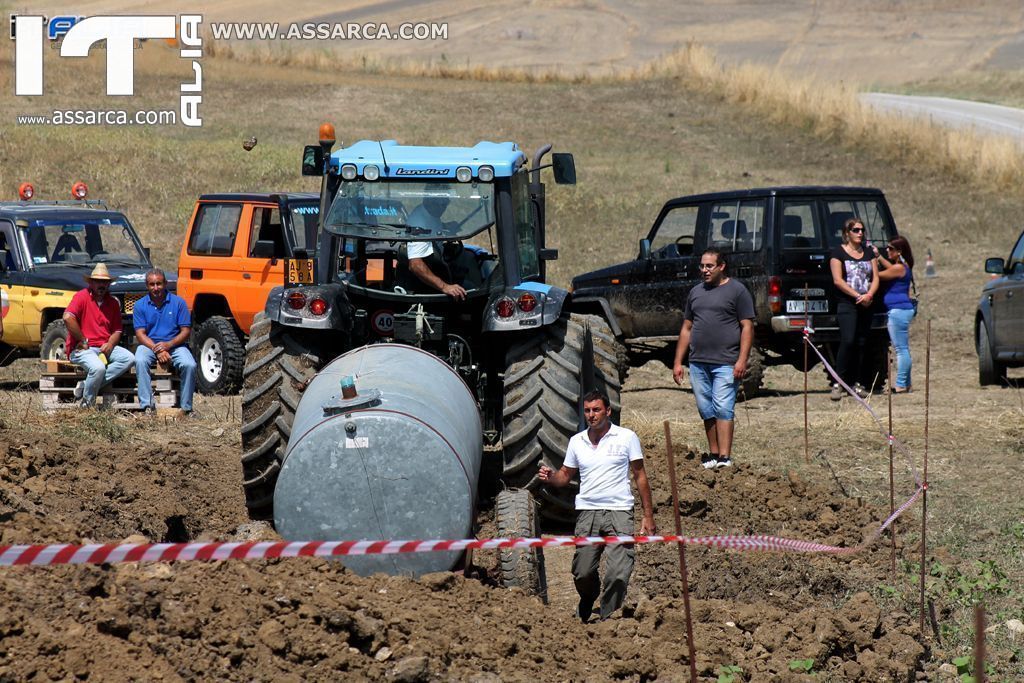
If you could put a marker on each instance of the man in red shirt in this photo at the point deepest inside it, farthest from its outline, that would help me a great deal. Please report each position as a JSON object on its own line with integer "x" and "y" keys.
{"x": 93, "y": 319}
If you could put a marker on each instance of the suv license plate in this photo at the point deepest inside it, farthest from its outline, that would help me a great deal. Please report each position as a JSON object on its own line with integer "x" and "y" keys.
{"x": 813, "y": 306}
{"x": 300, "y": 271}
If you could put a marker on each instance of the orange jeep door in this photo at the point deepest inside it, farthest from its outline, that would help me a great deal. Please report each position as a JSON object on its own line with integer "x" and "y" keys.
{"x": 259, "y": 275}
{"x": 209, "y": 265}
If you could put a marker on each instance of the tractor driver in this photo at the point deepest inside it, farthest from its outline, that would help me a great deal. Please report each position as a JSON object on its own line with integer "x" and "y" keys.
{"x": 428, "y": 215}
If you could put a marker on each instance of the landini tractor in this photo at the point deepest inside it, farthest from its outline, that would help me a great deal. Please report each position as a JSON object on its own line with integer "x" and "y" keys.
{"x": 377, "y": 406}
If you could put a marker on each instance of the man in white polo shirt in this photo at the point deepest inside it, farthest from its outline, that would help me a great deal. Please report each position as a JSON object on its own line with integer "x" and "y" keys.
{"x": 603, "y": 454}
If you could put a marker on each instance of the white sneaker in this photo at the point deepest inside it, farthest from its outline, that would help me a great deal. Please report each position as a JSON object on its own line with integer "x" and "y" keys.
{"x": 80, "y": 389}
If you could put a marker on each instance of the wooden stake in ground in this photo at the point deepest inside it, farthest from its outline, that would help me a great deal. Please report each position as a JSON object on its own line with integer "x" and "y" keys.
{"x": 924, "y": 481}
{"x": 807, "y": 341}
{"x": 682, "y": 552}
{"x": 979, "y": 643}
{"x": 892, "y": 486}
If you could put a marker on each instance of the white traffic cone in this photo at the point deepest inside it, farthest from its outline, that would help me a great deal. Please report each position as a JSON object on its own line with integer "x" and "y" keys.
{"x": 929, "y": 266}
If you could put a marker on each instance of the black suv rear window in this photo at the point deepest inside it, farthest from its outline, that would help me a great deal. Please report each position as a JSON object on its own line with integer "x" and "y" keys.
{"x": 737, "y": 225}
{"x": 801, "y": 225}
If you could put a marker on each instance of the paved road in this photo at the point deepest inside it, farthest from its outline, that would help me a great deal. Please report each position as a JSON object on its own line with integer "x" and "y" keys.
{"x": 992, "y": 118}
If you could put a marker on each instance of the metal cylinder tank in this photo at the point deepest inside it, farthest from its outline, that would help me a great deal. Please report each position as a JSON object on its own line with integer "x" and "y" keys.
{"x": 399, "y": 461}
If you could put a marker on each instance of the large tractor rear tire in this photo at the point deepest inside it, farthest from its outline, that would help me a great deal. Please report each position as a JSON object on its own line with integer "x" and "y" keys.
{"x": 277, "y": 370}
{"x": 545, "y": 378}
{"x": 516, "y": 517}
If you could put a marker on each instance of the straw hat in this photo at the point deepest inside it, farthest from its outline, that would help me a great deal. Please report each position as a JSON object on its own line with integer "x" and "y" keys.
{"x": 100, "y": 272}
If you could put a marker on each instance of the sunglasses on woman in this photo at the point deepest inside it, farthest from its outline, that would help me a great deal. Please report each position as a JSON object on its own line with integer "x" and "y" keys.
{"x": 857, "y": 230}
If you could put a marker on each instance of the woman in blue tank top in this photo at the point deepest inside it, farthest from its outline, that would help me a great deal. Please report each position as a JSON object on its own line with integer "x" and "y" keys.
{"x": 896, "y": 276}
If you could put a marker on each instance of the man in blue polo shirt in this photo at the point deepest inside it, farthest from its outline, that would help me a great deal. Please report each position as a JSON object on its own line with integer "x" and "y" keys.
{"x": 162, "y": 328}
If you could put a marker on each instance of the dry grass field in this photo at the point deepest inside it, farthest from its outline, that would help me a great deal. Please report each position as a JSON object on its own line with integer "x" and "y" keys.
{"x": 858, "y": 41}
{"x": 637, "y": 143}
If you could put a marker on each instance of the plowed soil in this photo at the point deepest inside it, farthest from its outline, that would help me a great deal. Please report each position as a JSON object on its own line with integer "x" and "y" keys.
{"x": 308, "y": 619}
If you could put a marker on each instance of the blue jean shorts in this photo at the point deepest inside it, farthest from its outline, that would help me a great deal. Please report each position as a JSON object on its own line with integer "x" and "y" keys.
{"x": 714, "y": 387}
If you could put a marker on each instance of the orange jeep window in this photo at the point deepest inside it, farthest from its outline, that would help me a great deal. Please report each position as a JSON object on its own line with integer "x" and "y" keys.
{"x": 215, "y": 228}
{"x": 266, "y": 226}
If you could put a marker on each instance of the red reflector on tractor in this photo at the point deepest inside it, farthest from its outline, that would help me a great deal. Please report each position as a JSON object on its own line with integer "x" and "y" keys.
{"x": 527, "y": 302}
{"x": 318, "y": 306}
{"x": 505, "y": 308}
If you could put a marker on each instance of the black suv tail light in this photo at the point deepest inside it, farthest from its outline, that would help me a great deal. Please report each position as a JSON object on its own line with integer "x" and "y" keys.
{"x": 775, "y": 294}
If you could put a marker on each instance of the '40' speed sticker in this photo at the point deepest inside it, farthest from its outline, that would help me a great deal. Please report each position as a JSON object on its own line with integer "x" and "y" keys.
{"x": 383, "y": 323}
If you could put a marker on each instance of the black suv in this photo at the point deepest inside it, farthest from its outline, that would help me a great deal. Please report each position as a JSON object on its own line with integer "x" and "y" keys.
{"x": 999, "y": 322}
{"x": 777, "y": 242}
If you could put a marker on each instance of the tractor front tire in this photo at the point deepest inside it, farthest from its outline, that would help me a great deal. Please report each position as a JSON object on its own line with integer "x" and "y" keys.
{"x": 516, "y": 517}
{"x": 277, "y": 370}
{"x": 546, "y": 375}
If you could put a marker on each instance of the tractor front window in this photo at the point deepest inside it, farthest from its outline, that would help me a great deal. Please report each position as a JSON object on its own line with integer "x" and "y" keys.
{"x": 526, "y": 233}
{"x": 409, "y": 210}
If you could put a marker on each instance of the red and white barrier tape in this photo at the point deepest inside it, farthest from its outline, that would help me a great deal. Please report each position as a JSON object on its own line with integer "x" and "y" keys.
{"x": 889, "y": 438}
{"x": 46, "y": 555}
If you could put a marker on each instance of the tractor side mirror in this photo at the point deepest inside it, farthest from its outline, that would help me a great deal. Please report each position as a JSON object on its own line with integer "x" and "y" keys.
{"x": 263, "y": 249}
{"x": 146, "y": 252}
{"x": 995, "y": 265}
{"x": 313, "y": 160}
{"x": 548, "y": 254}
{"x": 3, "y": 260}
{"x": 564, "y": 168}
{"x": 645, "y": 249}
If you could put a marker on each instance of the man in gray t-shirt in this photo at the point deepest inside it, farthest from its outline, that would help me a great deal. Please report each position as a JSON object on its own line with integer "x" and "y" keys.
{"x": 718, "y": 332}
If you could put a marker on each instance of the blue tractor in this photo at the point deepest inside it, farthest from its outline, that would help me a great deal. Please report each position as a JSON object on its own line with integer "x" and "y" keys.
{"x": 417, "y": 361}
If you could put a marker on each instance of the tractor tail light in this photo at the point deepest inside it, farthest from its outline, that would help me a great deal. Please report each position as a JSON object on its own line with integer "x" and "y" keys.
{"x": 26, "y": 191}
{"x": 505, "y": 308}
{"x": 296, "y": 300}
{"x": 775, "y": 294}
{"x": 527, "y": 302}
{"x": 317, "y": 306}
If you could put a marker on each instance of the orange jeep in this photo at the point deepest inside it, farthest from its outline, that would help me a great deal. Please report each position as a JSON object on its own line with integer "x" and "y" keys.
{"x": 234, "y": 254}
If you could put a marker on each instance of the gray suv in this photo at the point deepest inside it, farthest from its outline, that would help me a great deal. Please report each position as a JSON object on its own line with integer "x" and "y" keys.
{"x": 999, "y": 322}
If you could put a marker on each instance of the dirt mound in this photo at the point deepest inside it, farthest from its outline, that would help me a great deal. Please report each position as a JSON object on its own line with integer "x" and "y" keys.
{"x": 310, "y": 619}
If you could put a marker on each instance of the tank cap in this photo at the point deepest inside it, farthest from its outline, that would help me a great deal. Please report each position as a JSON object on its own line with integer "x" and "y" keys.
{"x": 337, "y": 405}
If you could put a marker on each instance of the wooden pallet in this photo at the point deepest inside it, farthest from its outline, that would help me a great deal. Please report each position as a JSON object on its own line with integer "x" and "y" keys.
{"x": 59, "y": 378}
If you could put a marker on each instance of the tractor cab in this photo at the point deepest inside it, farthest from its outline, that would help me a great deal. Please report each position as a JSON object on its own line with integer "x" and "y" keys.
{"x": 386, "y": 227}
{"x": 450, "y": 238}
